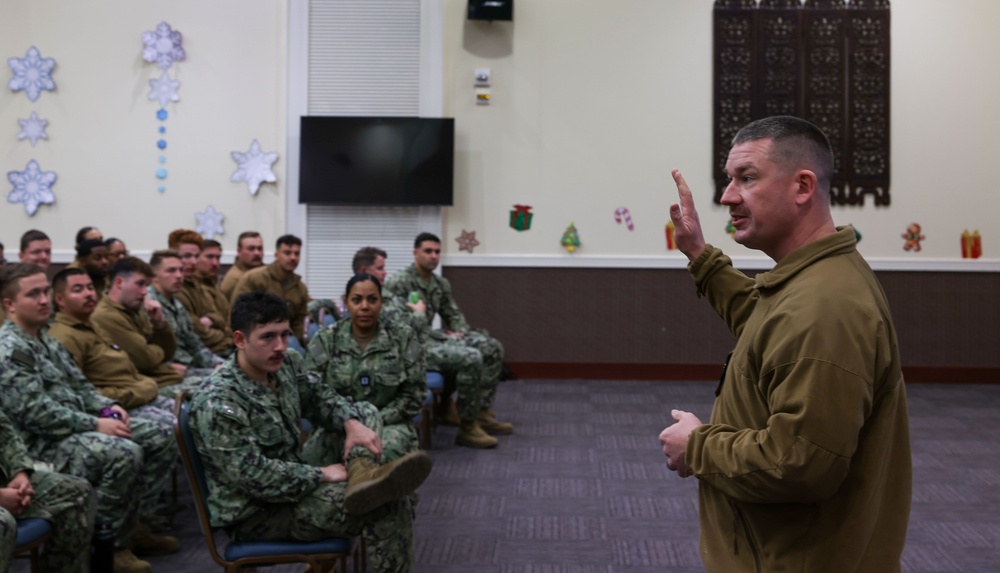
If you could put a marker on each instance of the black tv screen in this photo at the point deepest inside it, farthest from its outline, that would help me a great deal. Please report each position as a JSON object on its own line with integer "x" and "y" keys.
{"x": 376, "y": 160}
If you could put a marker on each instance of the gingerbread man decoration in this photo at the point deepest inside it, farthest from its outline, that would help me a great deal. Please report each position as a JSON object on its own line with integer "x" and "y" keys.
{"x": 913, "y": 238}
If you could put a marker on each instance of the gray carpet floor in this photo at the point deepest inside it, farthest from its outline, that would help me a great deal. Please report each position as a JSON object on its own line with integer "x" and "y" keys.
{"x": 582, "y": 487}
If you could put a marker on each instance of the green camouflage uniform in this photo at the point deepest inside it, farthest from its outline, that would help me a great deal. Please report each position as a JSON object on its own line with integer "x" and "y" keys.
{"x": 476, "y": 379}
{"x": 389, "y": 374}
{"x": 260, "y": 488}
{"x": 55, "y": 408}
{"x": 64, "y": 501}
{"x": 191, "y": 351}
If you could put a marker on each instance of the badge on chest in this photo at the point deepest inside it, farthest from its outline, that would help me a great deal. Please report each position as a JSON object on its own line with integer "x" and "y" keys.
{"x": 365, "y": 380}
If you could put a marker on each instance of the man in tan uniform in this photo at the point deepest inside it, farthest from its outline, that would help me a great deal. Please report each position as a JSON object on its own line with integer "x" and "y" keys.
{"x": 92, "y": 256}
{"x": 279, "y": 278}
{"x": 36, "y": 249}
{"x": 249, "y": 255}
{"x": 137, "y": 323}
{"x": 205, "y": 303}
{"x": 104, "y": 363}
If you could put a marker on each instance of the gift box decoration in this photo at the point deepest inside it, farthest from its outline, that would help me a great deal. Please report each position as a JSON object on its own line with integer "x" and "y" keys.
{"x": 520, "y": 217}
{"x": 972, "y": 245}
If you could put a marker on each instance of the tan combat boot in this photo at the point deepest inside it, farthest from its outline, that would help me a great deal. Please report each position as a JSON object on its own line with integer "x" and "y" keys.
{"x": 370, "y": 485}
{"x": 145, "y": 542}
{"x": 488, "y": 422}
{"x": 127, "y": 562}
{"x": 472, "y": 436}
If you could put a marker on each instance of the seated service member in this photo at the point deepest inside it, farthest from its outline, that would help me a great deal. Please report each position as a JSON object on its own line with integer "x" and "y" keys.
{"x": 192, "y": 357}
{"x": 444, "y": 354}
{"x": 66, "y": 423}
{"x": 249, "y": 255}
{"x": 105, "y": 364}
{"x": 435, "y": 292}
{"x": 279, "y": 278}
{"x": 805, "y": 464}
{"x": 36, "y": 249}
{"x": 64, "y": 501}
{"x": 368, "y": 359}
{"x": 207, "y": 307}
{"x": 116, "y": 249}
{"x": 137, "y": 324}
{"x": 245, "y": 420}
{"x": 92, "y": 256}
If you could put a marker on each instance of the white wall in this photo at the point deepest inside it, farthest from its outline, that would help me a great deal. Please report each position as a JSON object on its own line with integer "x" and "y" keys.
{"x": 103, "y": 129}
{"x": 595, "y": 101}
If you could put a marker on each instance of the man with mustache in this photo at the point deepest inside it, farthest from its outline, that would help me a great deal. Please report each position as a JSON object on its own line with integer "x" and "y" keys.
{"x": 249, "y": 255}
{"x": 805, "y": 463}
{"x": 245, "y": 420}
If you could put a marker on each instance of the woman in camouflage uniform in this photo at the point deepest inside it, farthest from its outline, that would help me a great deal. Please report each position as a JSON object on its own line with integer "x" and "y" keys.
{"x": 370, "y": 359}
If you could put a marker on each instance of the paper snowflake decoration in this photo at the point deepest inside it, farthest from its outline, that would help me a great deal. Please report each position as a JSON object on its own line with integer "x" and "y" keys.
{"x": 32, "y": 74}
{"x": 163, "y": 46}
{"x": 33, "y": 129}
{"x": 467, "y": 241}
{"x": 164, "y": 89}
{"x": 209, "y": 223}
{"x": 254, "y": 167}
{"x": 33, "y": 187}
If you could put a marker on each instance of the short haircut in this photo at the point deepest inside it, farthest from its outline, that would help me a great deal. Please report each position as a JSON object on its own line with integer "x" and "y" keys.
{"x": 796, "y": 144}
{"x": 257, "y": 308}
{"x": 111, "y": 241}
{"x": 365, "y": 258}
{"x": 211, "y": 244}
{"x": 425, "y": 237}
{"x": 11, "y": 275}
{"x": 62, "y": 278}
{"x": 31, "y": 236}
{"x": 87, "y": 246}
{"x": 129, "y": 266}
{"x": 246, "y": 235}
{"x": 287, "y": 240}
{"x": 157, "y": 258}
{"x": 80, "y": 234}
{"x": 360, "y": 278}
{"x": 184, "y": 237}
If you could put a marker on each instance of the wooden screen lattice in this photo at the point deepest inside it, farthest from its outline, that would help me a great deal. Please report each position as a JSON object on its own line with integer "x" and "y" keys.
{"x": 826, "y": 61}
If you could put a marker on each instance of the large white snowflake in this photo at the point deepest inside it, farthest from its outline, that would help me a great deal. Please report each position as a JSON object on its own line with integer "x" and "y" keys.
{"x": 33, "y": 187}
{"x": 163, "y": 46}
{"x": 33, "y": 129}
{"x": 254, "y": 167}
{"x": 209, "y": 223}
{"x": 164, "y": 89}
{"x": 32, "y": 73}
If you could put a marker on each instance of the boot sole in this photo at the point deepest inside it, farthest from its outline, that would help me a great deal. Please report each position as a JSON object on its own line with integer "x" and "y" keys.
{"x": 496, "y": 431}
{"x": 473, "y": 444}
{"x": 404, "y": 479}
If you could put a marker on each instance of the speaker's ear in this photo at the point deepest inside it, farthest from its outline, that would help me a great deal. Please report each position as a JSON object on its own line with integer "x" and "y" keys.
{"x": 491, "y": 10}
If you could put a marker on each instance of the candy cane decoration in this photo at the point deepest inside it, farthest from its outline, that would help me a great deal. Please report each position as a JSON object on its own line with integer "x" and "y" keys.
{"x": 622, "y": 213}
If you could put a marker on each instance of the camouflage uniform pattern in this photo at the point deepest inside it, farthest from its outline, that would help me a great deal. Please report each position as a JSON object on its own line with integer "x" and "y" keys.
{"x": 65, "y": 501}
{"x": 448, "y": 354}
{"x": 55, "y": 408}
{"x": 390, "y": 374}
{"x": 191, "y": 351}
{"x": 445, "y": 354}
{"x": 260, "y": 487}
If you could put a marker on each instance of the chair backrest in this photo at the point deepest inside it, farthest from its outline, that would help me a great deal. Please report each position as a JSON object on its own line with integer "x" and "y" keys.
{"x": 195, "y": 470}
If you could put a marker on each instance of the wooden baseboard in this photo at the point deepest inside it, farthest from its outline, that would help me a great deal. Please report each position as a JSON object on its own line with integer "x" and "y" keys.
{"x": 711, "y": 372}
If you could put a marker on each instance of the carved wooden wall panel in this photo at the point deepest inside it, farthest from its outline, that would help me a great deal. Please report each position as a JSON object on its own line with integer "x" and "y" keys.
{"x": 823, "y": 60}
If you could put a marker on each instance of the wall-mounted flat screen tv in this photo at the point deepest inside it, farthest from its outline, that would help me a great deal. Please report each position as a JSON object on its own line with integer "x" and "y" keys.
{"x": 376, "y": 160}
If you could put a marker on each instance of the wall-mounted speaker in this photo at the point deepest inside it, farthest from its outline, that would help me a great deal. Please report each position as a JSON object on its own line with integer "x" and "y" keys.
{"x": 491, "y": 9}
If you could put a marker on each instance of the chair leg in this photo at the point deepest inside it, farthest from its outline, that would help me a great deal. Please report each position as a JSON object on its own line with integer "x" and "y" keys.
{"x": 425, "y": 427}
